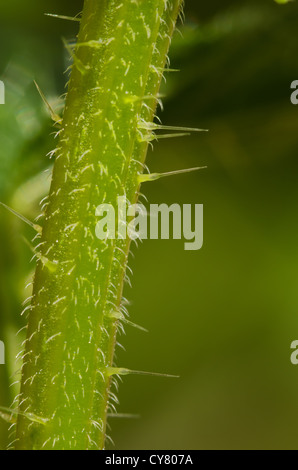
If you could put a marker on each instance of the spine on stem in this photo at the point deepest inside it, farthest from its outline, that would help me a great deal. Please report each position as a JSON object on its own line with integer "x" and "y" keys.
{"x": 76, "y": 307}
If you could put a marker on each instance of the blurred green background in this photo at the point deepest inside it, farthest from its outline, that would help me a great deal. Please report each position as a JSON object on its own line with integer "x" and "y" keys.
{"x": 222, "y": 318}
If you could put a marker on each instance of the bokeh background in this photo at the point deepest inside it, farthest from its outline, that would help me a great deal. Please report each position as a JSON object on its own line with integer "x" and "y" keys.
{"x": 222, "y": 318}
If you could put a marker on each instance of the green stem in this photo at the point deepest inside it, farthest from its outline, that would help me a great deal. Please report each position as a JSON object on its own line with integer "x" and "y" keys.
{"x": 118, "y": 66}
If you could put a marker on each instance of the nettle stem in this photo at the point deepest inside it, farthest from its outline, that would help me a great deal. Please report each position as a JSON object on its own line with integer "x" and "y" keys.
{"x": 74, "y": 315}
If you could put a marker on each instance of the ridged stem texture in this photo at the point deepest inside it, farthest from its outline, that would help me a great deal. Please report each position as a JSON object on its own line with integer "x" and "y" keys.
{"x": 76, "y": 308}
